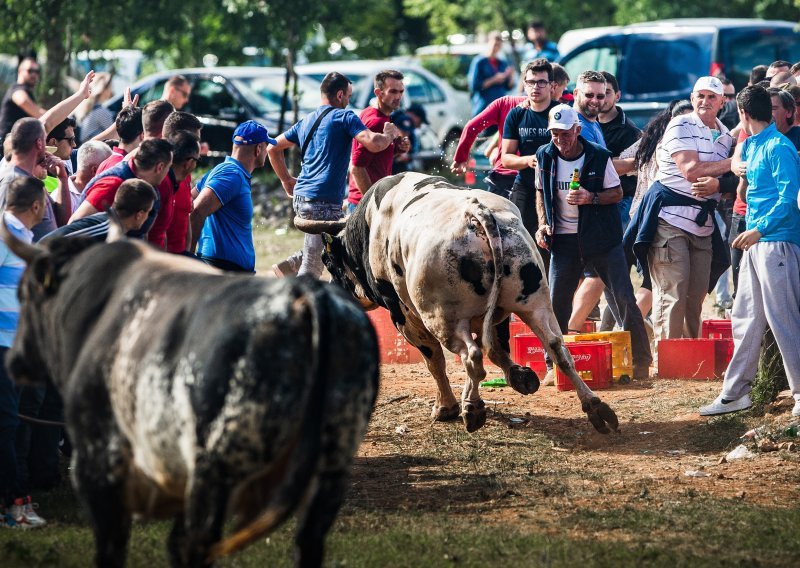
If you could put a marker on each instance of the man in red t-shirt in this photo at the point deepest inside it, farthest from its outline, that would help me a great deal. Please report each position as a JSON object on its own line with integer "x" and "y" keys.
{"x": 368, "y": 167}
{"x": 130, "y": 132}
{"x": 185, "y": 155}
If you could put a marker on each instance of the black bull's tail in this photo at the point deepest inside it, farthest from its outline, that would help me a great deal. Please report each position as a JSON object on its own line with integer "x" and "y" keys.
{"x": 303, "y": 457}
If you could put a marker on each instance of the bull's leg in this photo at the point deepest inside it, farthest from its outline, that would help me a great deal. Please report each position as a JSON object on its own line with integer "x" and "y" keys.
{"x": 316, "y": 520}
{"x": 102, "y": 495}
{"x": 446, "y": 406}
{"x": 473, "y": 409}
{"x": 204, "y": 515}
{"x": 543, "y": 323}
{"x": 522, "y": 379}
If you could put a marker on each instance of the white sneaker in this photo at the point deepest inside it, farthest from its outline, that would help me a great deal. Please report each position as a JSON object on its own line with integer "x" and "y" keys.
{"x": 717, "y": 407}
{"x": 24, "y": 514}
{"x": 796, "y": 409}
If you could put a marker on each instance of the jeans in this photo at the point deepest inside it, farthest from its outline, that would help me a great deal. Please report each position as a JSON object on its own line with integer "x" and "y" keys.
{"x": 306, "y": 208}
{"x": 722, "y": 289}
{"x": 37, "y": 444}
{"x": 624, "y": 206}
{"x": 566, "y": 268}
{"x": 500, "y": 184}
{"x": 738, "y": 225}
{"x": 9, "y": 421}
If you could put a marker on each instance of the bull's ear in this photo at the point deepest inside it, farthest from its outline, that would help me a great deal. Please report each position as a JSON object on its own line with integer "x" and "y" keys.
{"x": 44, "y": 274}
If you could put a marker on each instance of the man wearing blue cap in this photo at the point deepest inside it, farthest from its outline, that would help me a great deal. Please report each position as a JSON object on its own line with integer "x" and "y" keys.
{"x": 223, "y": 207}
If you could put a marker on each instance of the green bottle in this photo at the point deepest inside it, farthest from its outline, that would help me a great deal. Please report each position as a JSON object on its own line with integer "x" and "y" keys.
{"x": 576, "y": 180}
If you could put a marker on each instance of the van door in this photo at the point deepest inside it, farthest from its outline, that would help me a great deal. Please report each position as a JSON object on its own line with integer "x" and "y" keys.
{"x": 741, "y": 49}
{"x": 662, "y": 67}
{"x": 603, "y": 54}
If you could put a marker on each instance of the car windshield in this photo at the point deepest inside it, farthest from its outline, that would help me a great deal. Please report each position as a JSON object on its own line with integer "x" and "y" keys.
{"x": 265, "y": 92}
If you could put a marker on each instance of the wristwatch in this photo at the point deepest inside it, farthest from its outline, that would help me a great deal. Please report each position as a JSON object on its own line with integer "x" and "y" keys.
{"x": 595, "y": 199}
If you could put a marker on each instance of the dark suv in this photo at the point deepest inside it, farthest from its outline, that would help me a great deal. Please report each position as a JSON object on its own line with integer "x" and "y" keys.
{"x": 660, "y": 61}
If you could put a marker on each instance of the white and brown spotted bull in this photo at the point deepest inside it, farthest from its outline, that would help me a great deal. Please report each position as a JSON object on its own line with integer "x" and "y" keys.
{"x": 194, "y": 395}
{"x": 448, "y": 263}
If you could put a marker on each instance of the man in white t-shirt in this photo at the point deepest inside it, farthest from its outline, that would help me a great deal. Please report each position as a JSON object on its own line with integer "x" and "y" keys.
{"x": 582, "y": 227}
{"x": 693, "y": 152}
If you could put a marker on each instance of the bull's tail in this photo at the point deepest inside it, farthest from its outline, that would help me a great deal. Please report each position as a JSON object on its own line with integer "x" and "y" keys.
{"x": 488, "y": 222}
{"x": 304, "y": 457}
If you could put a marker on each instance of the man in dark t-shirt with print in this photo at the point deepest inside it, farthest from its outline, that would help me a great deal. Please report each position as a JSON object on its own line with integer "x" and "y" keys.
{"x": 19, "y": 101}
{"x": 525, "y": 131}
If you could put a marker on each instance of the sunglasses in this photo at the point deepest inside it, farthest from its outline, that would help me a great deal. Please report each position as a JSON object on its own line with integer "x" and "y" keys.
{"x": 593, "y": 96}
{"x": 541, "y": 83}
{"x": 196, "y": 160}
{"x": 34, "y": 70}
{"x": 184, "y": 93}
{"x": 71, "y": 139}
{"x": 730, "y": 96}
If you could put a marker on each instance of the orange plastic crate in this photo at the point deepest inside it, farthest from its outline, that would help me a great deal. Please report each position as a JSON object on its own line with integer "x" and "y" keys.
{"x": 393, "y": 346}
{"x": 592, "y": 363}
{"x": 527, "y": 350}
{"x": 704, "y": 359}
{"x": 716, "y": 329}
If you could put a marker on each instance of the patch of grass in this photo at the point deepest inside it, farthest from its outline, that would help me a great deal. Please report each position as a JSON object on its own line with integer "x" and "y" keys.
{"x": 687, "y": 532}
{"x": 273, "y": 245}
{"x": 771, "y": 376}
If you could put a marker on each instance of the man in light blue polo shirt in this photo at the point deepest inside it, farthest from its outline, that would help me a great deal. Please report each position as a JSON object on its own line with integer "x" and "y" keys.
{"x": 325, "y": 139}
{"x": 768, "y": 291}
{"x": 223, "y": 207}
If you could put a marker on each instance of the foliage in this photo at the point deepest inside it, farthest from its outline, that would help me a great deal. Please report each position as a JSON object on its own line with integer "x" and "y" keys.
{"x": 771, "y": 376}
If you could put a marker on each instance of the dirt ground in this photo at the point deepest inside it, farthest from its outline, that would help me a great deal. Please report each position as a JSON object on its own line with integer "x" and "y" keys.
{"x": 543, "y": 446}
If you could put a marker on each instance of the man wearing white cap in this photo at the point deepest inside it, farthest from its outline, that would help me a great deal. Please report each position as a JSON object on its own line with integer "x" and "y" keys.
{"x": 693, "y": 152}
{"x": 582, "y": 227}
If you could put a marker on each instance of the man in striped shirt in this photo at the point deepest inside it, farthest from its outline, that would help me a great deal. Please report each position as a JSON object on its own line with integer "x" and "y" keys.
{"x": 694, "y": 150}
{"x": 132, "y": 204}
{"x": 24, "y": 208}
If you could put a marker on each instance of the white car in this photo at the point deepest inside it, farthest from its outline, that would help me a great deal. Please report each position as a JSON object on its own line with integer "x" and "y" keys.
{"x": 447, "y": 110}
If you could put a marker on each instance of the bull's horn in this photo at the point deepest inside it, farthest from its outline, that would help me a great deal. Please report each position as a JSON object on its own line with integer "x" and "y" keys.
{"x": 315, "y": 227}
{"x": 115, "y": 229}
{"x": 25, "y": 251}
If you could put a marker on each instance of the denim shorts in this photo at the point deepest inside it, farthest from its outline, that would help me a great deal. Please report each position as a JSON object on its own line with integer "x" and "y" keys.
{"x": 307, "y": 208}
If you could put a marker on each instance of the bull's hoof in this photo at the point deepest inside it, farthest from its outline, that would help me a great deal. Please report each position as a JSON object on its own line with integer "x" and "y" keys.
{"x": 445, "y": 413}
{"x": 523, "y": 379}
{"x": 601, "y": 416}
{"x": 474, "y": 415}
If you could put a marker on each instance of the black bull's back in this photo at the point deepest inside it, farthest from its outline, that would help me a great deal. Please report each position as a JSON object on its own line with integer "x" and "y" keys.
{"x": 188, "y": 392}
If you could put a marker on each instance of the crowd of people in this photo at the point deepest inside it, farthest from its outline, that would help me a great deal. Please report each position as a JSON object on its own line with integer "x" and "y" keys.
{"x": 599, "y": 196}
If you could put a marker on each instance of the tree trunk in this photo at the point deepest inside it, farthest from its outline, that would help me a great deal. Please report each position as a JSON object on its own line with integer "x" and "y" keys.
{"x": 52, "y": 80}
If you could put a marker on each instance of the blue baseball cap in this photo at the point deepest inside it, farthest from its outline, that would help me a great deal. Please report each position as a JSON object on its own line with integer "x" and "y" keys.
{"x": 251, "y": 132}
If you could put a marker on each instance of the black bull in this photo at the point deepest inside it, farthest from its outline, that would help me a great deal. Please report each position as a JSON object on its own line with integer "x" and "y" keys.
{"x": 449, "y": 263}
{"x": 197, "y": 396}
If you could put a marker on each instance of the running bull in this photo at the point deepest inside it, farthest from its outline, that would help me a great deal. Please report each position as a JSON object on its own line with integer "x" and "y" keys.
{"x": 194, "y": 395}
{"x": 449, "y": 263}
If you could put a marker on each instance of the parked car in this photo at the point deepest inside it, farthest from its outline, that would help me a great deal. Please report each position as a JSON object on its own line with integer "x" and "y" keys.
{"x": 660, "y": 61}
{"x": 448, "y": 110}
{"x": 223, "y": 97}
{"x": 451, "y": 62}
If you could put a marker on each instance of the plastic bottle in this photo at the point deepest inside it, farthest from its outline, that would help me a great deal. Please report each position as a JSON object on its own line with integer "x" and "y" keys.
{"x": 576, "y": 180}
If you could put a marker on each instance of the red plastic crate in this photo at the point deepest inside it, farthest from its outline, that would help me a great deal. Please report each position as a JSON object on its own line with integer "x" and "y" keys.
{"x": 703, "y": 358}
{"x": 716, "y": 329}
{"x": 527, "y": 350}
{"x": 592, "y": 362}
{"x": 393, "y": 346}
{"x": 517, "y": 327}
{"x": 589, "y": 326}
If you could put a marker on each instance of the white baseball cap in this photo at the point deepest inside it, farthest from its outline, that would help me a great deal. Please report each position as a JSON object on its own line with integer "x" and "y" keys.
{"x": 562, "y": 117}
{"x": 709, "y": 84}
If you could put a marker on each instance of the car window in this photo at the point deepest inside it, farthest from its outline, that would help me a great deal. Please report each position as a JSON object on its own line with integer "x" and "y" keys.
{"x": 210, "y": 97}
{"x": 598, "y": 58}
{"x": 152, "y": 92}
{"x": 665, "y": 65}
{"x": 420, "y": 90}
{"x": 265, "y": 92}
{"x": 744, "y": 49}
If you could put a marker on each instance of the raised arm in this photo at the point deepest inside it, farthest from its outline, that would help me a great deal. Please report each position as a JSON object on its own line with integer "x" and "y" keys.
{"x": 62, "y": 110}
